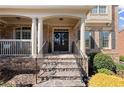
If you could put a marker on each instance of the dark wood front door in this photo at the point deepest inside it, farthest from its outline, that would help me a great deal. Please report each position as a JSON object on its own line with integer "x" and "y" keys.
{"x": 61, "y": 41}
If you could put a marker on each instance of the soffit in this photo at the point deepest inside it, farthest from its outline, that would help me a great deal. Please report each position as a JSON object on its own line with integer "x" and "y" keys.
{"x": 46, "y": 9}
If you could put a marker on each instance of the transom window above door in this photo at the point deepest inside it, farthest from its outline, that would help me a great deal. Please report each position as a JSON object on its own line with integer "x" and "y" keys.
{"x": 23, "y": 33}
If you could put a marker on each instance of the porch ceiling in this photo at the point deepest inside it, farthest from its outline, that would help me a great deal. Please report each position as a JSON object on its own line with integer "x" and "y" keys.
{"x": 15, "y": 20}
{"x": 61, "y": 21}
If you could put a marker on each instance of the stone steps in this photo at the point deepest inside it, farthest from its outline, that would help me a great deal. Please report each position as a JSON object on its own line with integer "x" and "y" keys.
{"x": 43, "y": 78}
{"x": 59, "y": 69}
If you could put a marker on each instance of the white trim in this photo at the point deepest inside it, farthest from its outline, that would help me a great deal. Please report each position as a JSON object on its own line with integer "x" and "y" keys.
{"x": 69, "y": 42}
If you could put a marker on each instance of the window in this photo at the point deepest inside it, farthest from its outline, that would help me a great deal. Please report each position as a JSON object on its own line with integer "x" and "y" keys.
{"x": 94, "y": 10}
{"x": 87, "y": 39}
{"x": 105, "y": 39}
{"x": 18, "y": 35}
{"x": 23, "y": 33}
{"x": 99, "y": 10}
{"x": 102, "y": 9}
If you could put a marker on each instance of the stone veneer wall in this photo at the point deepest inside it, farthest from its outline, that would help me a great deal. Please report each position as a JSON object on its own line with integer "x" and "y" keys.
{"x": 114, "y": 56}
{"x": 18, "y": 63}
{"x": 18, "y": 71}
{"x": 7, "y": 32}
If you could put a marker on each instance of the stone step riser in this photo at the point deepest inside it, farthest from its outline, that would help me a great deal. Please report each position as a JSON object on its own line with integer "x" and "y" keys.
{"x": 60, "y": 69}
{"x": 57, "y": 63}
{"x": 60, "y": 78}
{"x": 57, "y": 66}
{"x": 58, "y": 73}
{"x": 53, "y": 58}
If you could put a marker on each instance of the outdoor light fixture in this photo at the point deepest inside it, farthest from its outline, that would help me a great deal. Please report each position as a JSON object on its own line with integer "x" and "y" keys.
{"x": 18, "y": 18}
{"x": 60, "y": 19}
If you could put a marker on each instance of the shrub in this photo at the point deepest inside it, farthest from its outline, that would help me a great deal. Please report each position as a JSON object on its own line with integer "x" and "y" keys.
{"x": 119, "y": 67}
{"x": 104, "y": 61}
{"x": 121, "y": 58}
{"x": 105, "y": 71}
{"x": 103, "y": 80}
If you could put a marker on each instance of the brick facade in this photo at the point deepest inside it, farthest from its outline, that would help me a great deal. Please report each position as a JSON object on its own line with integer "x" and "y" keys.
{"x": 121, "y": 43}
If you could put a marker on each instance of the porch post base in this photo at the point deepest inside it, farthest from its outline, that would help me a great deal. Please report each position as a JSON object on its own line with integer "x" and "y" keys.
{"x": 34, "y": 56}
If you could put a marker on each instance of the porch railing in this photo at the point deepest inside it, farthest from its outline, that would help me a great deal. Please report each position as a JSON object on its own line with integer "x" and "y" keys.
{"x": 15, "y": 47}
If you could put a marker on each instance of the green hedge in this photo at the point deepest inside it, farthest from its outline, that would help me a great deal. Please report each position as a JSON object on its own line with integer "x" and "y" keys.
{"x": 121, "y": 58}
{"x": 104, "y": 61}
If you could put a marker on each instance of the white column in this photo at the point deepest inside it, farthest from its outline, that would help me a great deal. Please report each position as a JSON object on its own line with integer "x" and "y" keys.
{"x": 40, "y": 37}
{"x": 82, "y": 36}
{"x": 34, "y": 37}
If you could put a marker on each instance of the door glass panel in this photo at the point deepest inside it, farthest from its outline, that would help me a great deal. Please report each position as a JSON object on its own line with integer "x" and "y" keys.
{"x": 61, "y": 41}
{"x": 18, "y": 35}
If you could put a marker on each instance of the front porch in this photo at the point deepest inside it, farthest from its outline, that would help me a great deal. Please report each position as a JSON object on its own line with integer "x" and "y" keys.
{"x": 26, "y": 37}
{"x": 50, "y": 40}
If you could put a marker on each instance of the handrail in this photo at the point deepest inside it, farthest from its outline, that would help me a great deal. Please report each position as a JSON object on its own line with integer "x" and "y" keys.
{"x": 80, "y": 52}
{"x": 42, "y": 48}
{"x": 83, "y": 59}
{"x": 43, "y": 44}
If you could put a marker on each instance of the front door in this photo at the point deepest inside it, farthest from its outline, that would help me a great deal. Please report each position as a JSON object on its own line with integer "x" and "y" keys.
{"x": 61, "y": 41}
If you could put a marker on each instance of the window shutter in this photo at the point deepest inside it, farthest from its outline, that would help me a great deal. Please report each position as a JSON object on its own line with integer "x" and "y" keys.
{"x": 113, "y": 40}
{"x": 100, "y": 39}
{"x": 92, "y": 40}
